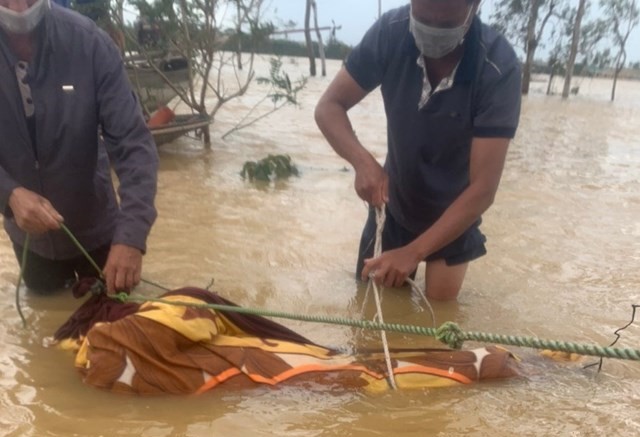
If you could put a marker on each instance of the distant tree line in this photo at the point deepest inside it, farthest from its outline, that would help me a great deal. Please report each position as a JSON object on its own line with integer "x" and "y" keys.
{"x": 576, "y": 42}
{"x": 333, "y": 49}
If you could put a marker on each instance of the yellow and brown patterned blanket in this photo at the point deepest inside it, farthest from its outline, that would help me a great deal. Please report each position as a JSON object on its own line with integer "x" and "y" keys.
{"x": 157, "y": 348}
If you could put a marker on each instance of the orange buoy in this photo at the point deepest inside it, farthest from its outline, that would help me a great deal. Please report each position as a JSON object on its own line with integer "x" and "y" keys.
{"x": 160, "y": 117}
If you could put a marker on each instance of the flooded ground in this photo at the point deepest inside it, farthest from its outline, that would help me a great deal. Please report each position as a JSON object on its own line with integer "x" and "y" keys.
{"x": 564, "y": 249}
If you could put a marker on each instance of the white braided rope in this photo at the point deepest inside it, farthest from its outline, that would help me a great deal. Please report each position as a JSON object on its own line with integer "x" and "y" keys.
{"x": 416, "y": 289}
{"x": 377, "y": 251}
{"x": 377, "y": 293}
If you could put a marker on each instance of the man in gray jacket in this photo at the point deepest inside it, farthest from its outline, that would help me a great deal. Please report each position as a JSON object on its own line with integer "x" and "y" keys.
{"x": 69, "y": 115}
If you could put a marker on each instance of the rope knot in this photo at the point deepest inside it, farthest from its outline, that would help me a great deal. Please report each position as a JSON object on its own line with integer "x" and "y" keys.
{"x": 122, "y": 297}
{"x": 450, "y": 334}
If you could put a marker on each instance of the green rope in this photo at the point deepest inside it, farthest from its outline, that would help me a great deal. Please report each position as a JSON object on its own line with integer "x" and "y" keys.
{"x": 82, "y": 249}
{"x": 155, "y": 284}
{"x": 23, "y": 264}
{"x": 449, "y": 333}
{"x": 94, "y": 264}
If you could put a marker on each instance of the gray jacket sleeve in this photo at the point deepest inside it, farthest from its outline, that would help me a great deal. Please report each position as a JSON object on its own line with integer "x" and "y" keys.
{"x": 7, "y": 185}
{"x": 129, "y": 144}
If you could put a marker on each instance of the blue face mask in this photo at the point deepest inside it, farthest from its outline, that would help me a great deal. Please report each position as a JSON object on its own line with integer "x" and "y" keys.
{"x": 436, "y": 42}
{"x": 24, "y": 22}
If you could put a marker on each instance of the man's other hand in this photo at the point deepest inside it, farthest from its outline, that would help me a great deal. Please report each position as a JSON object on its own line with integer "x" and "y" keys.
{"x": 123, "y": 269}
{"x": 32, "y": 212}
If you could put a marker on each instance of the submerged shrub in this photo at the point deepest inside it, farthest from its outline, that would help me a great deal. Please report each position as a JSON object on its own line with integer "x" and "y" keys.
{"x": 269, "y": 168}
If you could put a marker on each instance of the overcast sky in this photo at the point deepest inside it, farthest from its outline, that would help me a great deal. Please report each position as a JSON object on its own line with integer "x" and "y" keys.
{"x": 355, "y": 17}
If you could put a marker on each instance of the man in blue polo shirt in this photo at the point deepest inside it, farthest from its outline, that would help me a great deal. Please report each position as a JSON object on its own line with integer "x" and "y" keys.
{"x": 451, "y": 90}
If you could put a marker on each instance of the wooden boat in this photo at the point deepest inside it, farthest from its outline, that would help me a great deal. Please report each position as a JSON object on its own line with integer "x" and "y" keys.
{"x": 152, "y": 89}
{"x": 182, "y": 124}
{"x": 155, "y": 92}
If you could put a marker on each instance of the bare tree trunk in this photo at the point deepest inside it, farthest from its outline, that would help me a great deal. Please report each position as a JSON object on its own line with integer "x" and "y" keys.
{"x": 622, "y": 32}
{"x": 619, "y": 66}
{"x": 532, "y": 44}
{"x": 323, "y": 61}
{"x": 119, "y": 10}
{"x": 551, "y": 76}
{"x": 574, "y": 49}
{"x": 307, "y": 37}
{"x": 206, "y": 136}
{"x": 239, "y": 36}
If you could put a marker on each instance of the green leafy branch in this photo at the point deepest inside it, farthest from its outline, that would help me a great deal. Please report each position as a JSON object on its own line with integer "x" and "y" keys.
{"x": 283, "y": 92}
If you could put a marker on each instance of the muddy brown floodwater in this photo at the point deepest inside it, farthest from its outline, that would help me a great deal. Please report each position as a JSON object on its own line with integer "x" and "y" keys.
{"x": 564, "y": 251}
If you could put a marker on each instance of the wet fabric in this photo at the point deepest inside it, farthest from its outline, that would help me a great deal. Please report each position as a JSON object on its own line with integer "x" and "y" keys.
{"x": 159, "y": 348}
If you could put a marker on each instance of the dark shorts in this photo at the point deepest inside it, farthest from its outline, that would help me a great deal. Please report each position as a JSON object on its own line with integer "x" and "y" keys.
{"x": 42, "y": 274}
{"x": 467, "y": 247}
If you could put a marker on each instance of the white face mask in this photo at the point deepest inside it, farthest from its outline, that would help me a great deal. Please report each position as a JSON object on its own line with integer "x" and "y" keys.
{"x": 26, "y": 21}
{"x": 436, "y": 42}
